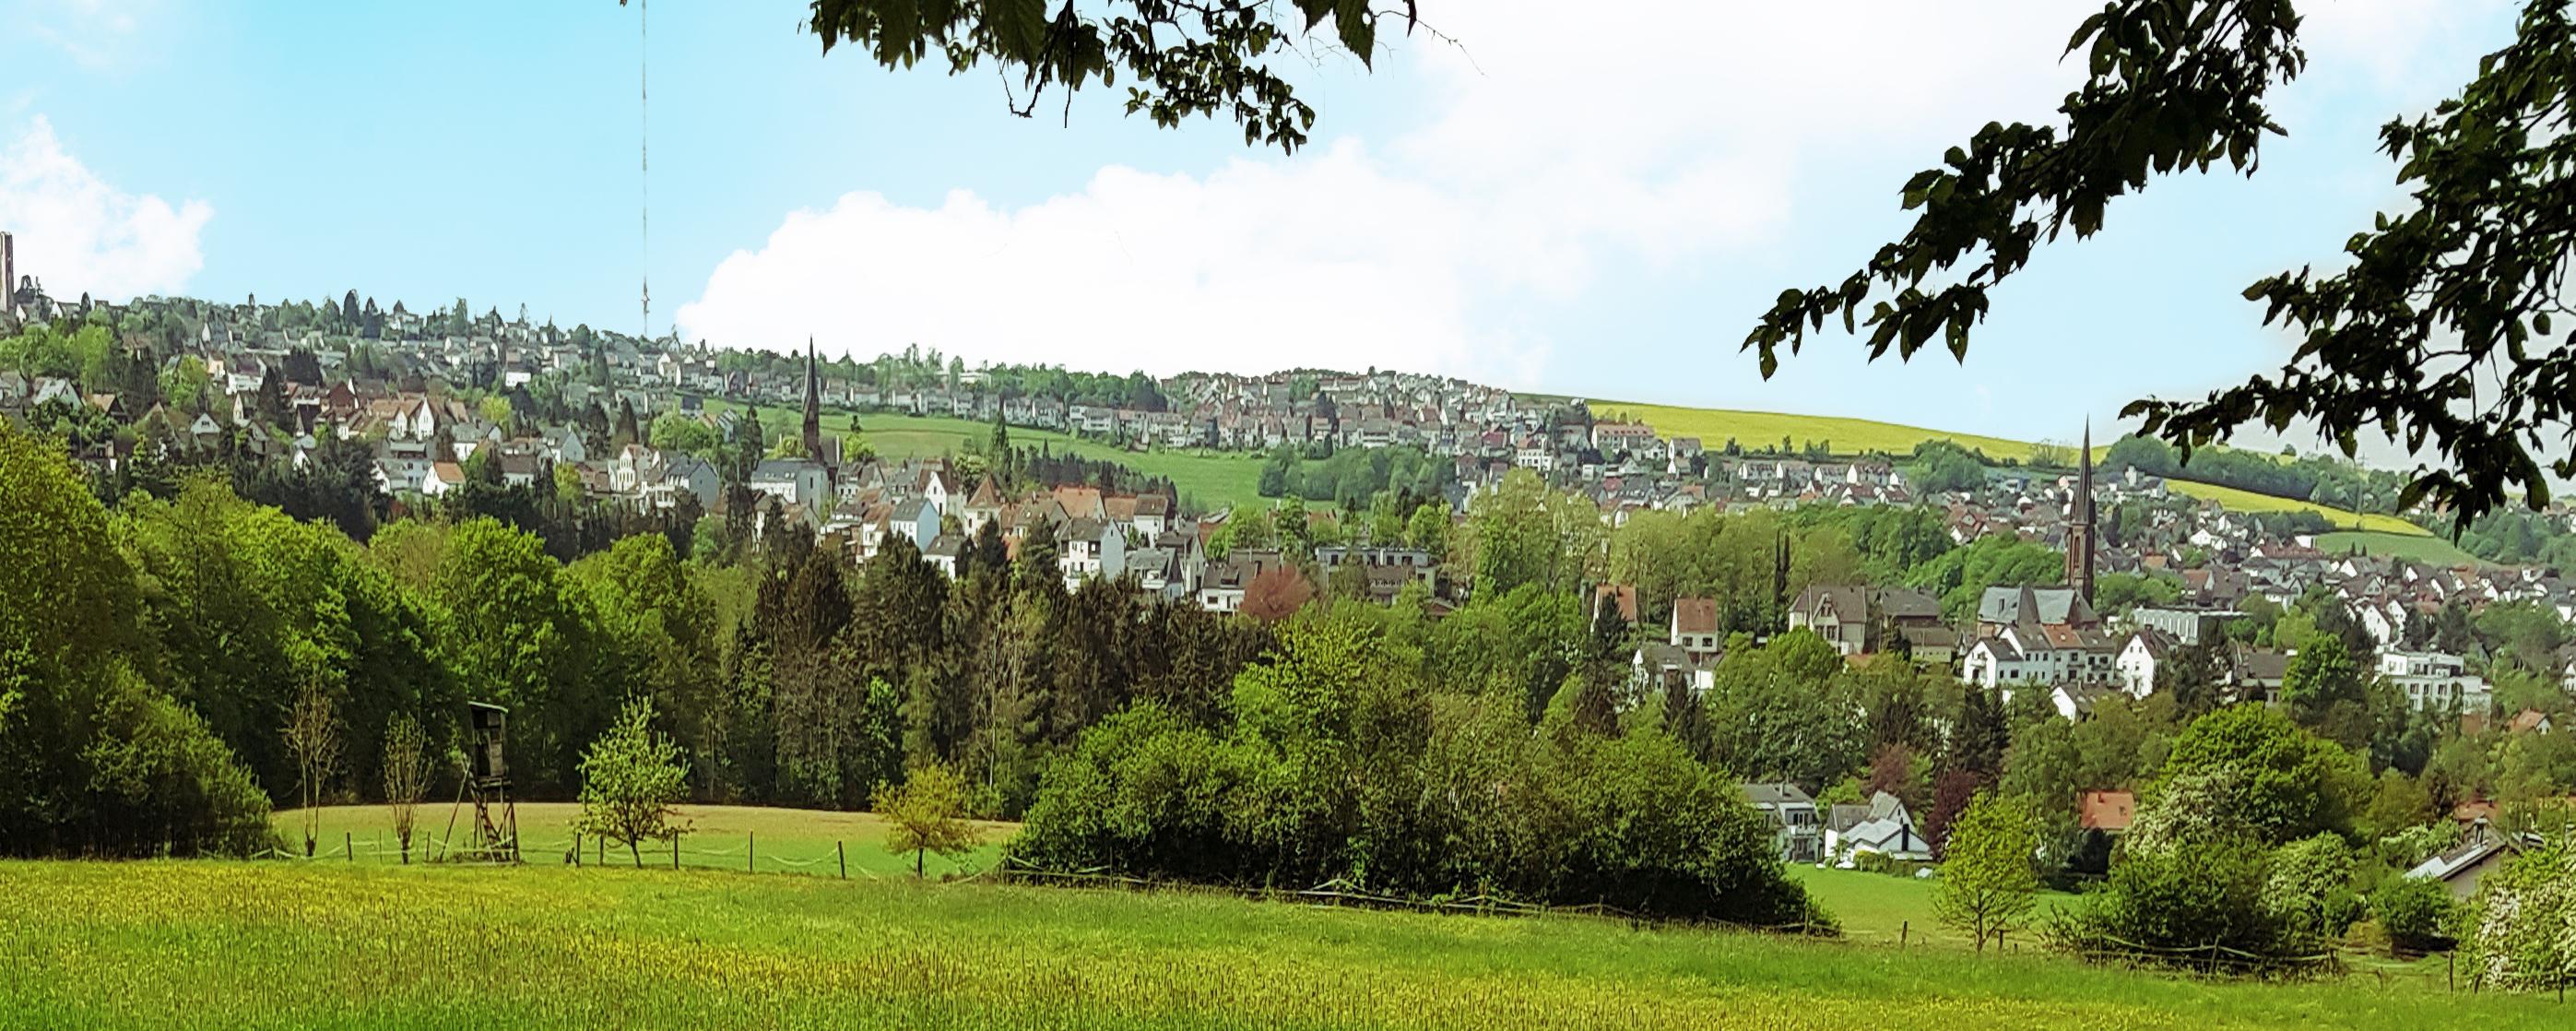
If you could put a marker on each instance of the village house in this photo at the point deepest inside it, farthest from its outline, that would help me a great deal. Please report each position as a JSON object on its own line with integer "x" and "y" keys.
{"x": 1795, "y": 828}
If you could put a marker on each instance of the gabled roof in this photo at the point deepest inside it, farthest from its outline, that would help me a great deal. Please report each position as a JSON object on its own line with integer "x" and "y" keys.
{"x": 1694, "y": 615}
{"x": 1781, "y": 794}
{"x": 2041, "y": 604}
{"x": 2469, "y": 855}
{"x": 2107, "y": 811}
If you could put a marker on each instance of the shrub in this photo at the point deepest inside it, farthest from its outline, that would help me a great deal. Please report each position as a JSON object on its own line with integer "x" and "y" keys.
{"x": 2417, "y": 914}
{"x": 2522, "y": 929}
{"x": 2171, "y": 901}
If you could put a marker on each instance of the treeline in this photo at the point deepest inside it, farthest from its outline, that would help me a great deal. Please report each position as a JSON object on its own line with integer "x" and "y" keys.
{"x": 144, "y": 702}
{"x": 1040, "y": 466}
{"x": 1342, "y": 761}
{"x": 1353, "y": 477}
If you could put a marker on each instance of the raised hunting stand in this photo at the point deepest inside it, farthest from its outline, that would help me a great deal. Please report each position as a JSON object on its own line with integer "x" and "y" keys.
{"x": 486, "y": 778}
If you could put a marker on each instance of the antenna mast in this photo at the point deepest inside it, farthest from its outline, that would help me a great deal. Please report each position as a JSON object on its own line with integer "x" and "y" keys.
{"x": 644, "y": 155}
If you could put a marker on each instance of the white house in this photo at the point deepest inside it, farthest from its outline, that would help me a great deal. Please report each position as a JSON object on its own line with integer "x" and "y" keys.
{"x": 1883, "y": 827}
{"x": 1088, "y": 547}
{"x": 916, "y": 521}
{"x": 2139, "y": 658}
{"x": 796, "y": 481}
{"x": 2436, "y": 680}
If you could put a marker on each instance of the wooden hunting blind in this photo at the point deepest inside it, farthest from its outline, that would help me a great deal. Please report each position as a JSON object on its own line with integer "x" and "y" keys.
{"x": 489, "y": 726}
{"x": 486, "y": 778}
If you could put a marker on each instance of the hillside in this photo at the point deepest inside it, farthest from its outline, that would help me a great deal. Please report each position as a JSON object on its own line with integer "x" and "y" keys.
{"x": 2235, "y": 500}
{"x": 1219, "y": 479}
{"x": 2428, "y": 548}
{"x": 214, "y": 944}
{"x": 1214, "y": 479}
{"x": 1715, "y": 426}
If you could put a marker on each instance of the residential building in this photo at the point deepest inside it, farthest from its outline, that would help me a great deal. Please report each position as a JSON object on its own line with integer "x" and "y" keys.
{"x": 1795, "y": 828}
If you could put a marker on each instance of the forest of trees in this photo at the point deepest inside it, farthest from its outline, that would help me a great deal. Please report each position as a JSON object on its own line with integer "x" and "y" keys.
{"x": 1324, "y": 738}
{"x": 1352, "y": 478}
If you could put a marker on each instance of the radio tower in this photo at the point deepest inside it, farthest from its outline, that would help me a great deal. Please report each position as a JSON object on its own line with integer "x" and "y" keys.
{"x": 644, "y": 155}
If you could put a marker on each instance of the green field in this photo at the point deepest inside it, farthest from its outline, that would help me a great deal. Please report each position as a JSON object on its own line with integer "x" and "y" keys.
{"x": 1213, "y": 479}
{"x": 1218, "y": 479}
{"x": 2247, "y": 501}
{"x": 1884, "y": 908}
{"x": 2432, "y": 549}
{"x": 1715, "y": 426}
{"x": 721, "y": 837}
{"x": 256, "y": 945}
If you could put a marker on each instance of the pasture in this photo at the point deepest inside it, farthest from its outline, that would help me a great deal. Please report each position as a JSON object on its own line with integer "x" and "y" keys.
{"x": 2236, "y": 500}
{"x": 1883, "y": 908}
{"x": 1220, "y": 479}
{"x": 167, "y": 944}
{"x": 1210, "y": 479}
{"x": 718, "y": 837}
{"x": 1715, "y": 426}
{"x": 2434, "y": 549}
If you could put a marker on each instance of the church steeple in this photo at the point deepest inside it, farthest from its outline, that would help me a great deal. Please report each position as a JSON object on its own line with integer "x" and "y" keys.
{"x": 813, "y": 405}
{"x": 2079, "y": 529}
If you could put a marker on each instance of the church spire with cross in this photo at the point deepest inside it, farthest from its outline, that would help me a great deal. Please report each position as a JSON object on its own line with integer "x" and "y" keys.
{"x": 813, "y": 405}
{"x": 2079, "y": 529}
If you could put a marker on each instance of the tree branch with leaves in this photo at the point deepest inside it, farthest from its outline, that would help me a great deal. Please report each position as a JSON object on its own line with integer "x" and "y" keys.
{"x": 2438, "y": 334}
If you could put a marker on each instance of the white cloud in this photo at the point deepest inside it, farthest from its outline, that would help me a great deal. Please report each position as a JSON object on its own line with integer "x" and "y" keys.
{"x": 79, "y": 234}
{"x": 1546, "y": 153}
{"x": 99, "y": 35}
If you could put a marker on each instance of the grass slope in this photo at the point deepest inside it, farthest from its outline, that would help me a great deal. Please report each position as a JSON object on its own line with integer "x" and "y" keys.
{"x": 1715, "y": 426}
{"x": 2247, "y": 501}
{"x": 1218, "y": 479}
{"x": 260, "y": 945}
{"x": 2428, "y": 548}
{"x": 1884, "y": 908}
{"x": 721, "y": 837}
{"x": 1215, "y": 479}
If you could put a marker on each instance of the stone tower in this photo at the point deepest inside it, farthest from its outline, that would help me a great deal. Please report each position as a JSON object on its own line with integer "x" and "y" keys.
{"x": 813, "y": 405}
{"x": 2079, "y": 523}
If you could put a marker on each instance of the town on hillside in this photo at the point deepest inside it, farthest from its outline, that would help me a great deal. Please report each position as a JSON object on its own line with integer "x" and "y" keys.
{"x": 656, "y": 428}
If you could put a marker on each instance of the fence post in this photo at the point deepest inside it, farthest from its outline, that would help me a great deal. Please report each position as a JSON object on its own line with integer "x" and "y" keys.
{"x": 2451, "y": 977}
{"x": 348, "y": 846}
{"x": 576, "y": 849}
{"x": 750, "y": 852}
{"x": 844, "y": 857}
{"x": 675, "y": 850}
{"x": 1904, "y": 930}
{"x": 603, "y": 850}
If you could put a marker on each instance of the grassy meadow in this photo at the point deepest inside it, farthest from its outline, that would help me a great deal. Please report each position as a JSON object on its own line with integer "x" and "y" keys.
{"x": 719, "y": 837}
{"x": 1883, "y": 909}
{"x": 1715, "y": 426}
{"x": 176, "y": 944}
{"x": 1219, "y": 479}
{"x": 2247, "y": 501}
{"x": 1216, "y": 479}
{"x": 2434, "y": 549}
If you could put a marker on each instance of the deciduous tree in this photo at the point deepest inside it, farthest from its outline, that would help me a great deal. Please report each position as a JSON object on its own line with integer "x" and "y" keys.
{"x": 1988, "y": 884}
{"x": 632, "y": 782}
{"x": 926, "y": 814}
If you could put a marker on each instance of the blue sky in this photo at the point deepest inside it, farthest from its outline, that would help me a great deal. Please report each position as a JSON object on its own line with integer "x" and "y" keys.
{"x": 1598, "y": 213}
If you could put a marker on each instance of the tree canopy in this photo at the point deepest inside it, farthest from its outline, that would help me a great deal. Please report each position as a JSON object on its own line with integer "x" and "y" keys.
{"x": 2458, "y": 287}
{"x": 1182, "y": 58}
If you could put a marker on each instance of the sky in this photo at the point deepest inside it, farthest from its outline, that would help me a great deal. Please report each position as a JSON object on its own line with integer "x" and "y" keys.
{"x": 1599, "y": 209}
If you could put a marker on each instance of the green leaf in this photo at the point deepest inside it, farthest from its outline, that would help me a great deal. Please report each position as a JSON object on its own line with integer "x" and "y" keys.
{"x": 1358, "y": 29}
